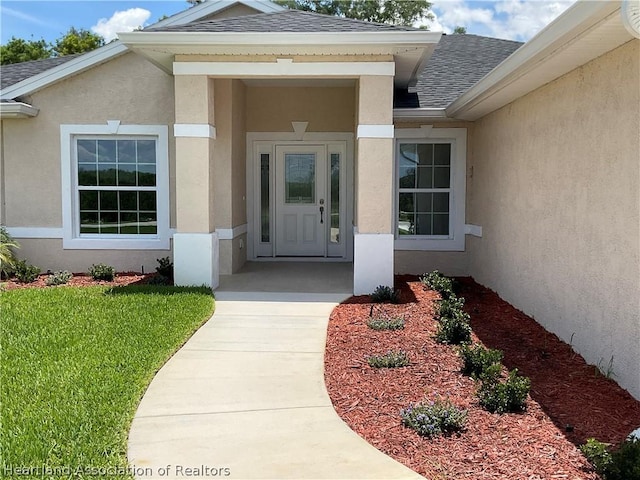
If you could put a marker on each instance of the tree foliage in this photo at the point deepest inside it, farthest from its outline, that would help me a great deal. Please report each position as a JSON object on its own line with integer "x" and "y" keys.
{"x": 19, "y": 50}
{"x": 395, "y": 12}
{"x": 75, "y": 40}
{"x": 460, "y": 30}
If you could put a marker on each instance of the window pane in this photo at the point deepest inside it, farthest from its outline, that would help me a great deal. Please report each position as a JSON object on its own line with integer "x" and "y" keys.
{"x": 126, "y": 151}
{"x": 423, "y": 202}
{"x": 423, "y": 224}
{"x": 106, "y": 151}
{"x": 148, "y": 223}
{"x": 108, "y": 200}
{"x": 147, "y": 200}
{"x": 264, "y": 198}
{"x": 441, "y": 177}
{"x": 147, "y": 175}
{"x": 89, "y": 222}
{"x": 440, "y": 224}
{"x": 300, "y": 178}
{"x": 335, "y": 198}
{"x": 441, "y": 202}
{"x": 87, "y": 174}
{"x": 88, "y": 200}
{"x": 127, "y": 175}
{"x": 86, "y": 151}
{"x": 408, "y": 162}
{"x": 107, "y": 174}
{"x": 442, "y": 154}
{"x": 146, "y": 151}
{"x": 425, "y": 177}
{"x": 425, "y": 154}
{"x": 129, "y": 223}
{"x": 108, "y": 222}
{"x": 128, "y": 200}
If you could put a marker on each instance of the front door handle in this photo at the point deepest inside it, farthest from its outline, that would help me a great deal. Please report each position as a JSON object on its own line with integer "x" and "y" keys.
{"x": 321, "y": 214}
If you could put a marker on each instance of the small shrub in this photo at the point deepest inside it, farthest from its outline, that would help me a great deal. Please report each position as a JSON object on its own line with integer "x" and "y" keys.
{"x": 165, "y": 267}
{"x": 7, "y": 257}
{"x": 450, "y": 306}
{"x": 386, "y": 323}
{"x": 26, "y": 273}
{"x": 598, "y": 455}
{"x": 102, "y": 272}
{"x": 434, "y": 418}
{"x": 625, "y": 461}
{"x": 158, "y": 280}
{"x": 59, "y": 278}
{"x": 454, "y": 330}
{"x": 507, "y": 396}
{"x": 389, "y": 360}
{"x": 383, "y": 294}
{"x": 438, "y": 282}
{"x": 476, "y": 359}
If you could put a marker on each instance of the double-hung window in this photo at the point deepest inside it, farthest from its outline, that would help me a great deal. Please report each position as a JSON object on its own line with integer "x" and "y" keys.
{"x": 117, "y": 195}
{"x": 430, "y": 189}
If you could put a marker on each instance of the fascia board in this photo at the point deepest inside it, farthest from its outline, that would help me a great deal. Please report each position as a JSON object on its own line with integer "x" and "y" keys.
{"x": 17, "y": 110}
{"x": 165, "y": 39}
{"x": 420, "y": 114}
{"x": 579, "y": 18}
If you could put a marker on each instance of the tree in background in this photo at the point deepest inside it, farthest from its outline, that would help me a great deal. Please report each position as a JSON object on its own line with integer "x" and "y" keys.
{"x": 19, "y": 50}
{"x": 75, "y": 40}
{"x": 460, "y": 30}
{"x": 395, "y": 12}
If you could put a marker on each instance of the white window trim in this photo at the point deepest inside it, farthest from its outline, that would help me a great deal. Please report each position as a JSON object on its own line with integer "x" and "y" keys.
{"x": 458, "y": 139}
{"x": 70, "y": 240}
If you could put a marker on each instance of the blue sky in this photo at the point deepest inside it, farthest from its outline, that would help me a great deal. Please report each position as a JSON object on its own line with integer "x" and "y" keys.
{"x": 512, "y": 19}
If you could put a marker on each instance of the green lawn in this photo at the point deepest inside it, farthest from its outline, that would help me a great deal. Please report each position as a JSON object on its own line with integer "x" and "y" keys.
{"x": 74, "y": 365}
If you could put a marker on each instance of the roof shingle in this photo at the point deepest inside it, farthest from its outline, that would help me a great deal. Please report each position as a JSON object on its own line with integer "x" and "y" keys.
{"x": 16, "y": 72}
{"x": 287, "y": 21}
{"x": 458, "y": 63}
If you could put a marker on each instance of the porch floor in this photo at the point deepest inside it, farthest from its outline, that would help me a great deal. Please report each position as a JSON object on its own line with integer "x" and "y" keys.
{"x": 290, "y": 277}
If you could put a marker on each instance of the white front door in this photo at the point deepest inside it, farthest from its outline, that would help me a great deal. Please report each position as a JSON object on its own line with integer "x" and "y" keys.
{"x": 301, "y": 201}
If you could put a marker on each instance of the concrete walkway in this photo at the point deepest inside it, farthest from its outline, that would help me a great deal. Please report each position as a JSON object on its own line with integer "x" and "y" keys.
{"x": 245, "y": 398}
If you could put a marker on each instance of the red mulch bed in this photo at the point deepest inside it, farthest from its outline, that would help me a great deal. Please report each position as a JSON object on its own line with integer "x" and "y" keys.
{"x": 82, "y": 280}
{"x": 569, "y": 401}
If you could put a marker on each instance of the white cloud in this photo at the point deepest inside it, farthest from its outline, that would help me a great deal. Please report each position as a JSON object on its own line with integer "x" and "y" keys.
{"x": 511, "y": 19}
{"x": 121, "y": 21}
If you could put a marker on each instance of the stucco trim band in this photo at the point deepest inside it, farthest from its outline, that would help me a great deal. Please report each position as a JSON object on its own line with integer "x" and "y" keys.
{"x": 35, "y": 232}
{"x": 231, "y": 233}
{"x": 475, "y": 230}
{"x": 194, "y": 130}
{"x": 375, "y": 131}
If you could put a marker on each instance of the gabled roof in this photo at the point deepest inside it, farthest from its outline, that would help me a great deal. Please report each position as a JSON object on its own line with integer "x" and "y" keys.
{"x": 295, "y": 21}
{"x": 73, "y": 65}
{"x": 457, "y": 64}
{"x": 16, "y": 72}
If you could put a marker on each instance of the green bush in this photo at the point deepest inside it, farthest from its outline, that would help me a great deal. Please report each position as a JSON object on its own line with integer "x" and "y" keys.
{"x": 434, "y": 418}
{"x": 102, "y": 272}
{"x": 625, "y": 461}
{"x": 454, "y": 330}
{"x": 59, "y": 278}
{"x": 476, "y": 359}
{"x": 450, "y": 306}
{"x": 502, "y": 397}
{"x": 598, "y": 455}
{"x": 386, "y": 323}
{"x": 158, "y": 280}
{"x": 165, "y": 267}
{"x": 383, "y": 294}
{"x": 7, "y": 257}
{"x": 389, "y": 360}
{"x": 438, "y": 282}
{"x": 26, "y": 273}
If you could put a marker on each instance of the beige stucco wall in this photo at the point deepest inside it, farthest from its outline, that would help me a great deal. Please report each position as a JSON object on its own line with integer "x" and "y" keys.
{"x": 556, "y": 188}
{"x": 128, "y": 89}
{"x": 272, "y": 109}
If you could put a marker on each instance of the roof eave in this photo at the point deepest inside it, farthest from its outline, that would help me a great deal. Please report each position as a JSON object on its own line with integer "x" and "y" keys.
{"x": 17, "y": 110}
{"x": 553, "y": 52}
{"x": 412, "y": 114}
